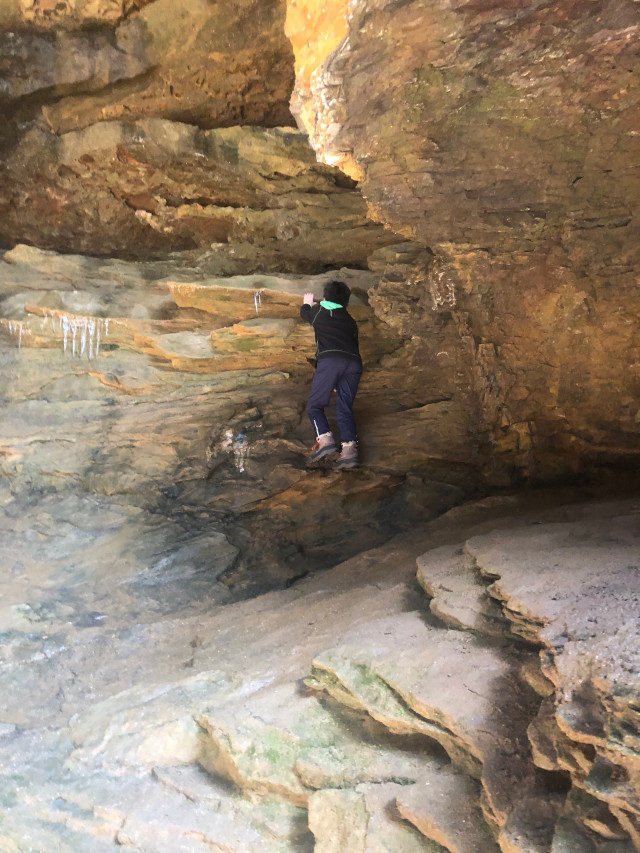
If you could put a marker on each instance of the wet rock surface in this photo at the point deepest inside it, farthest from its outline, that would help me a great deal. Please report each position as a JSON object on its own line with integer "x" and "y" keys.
{"x": 171, "y": 424}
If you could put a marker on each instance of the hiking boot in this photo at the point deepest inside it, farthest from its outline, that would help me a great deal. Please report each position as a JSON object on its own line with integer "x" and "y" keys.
{"x": 348, "y": 457}
{"x": 324, "y": 446}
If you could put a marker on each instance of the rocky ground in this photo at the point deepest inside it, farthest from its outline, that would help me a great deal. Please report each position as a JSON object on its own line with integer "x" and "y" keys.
{"x": 152, "y": 447}
{"x": 351, "y": 711}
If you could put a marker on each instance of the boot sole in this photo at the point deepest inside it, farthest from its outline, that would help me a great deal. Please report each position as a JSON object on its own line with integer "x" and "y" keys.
{"x": 312, "y": 461}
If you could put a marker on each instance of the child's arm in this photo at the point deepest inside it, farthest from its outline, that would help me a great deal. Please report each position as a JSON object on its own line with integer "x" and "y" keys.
{"x": 308, "y": 304}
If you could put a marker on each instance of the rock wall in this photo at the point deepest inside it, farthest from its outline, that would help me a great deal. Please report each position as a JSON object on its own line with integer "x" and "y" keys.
{"x": 157, "y": 392}
{"x": 208, "y": 64}
{"x": 498, "y": 140}
{"x": 247, "y": 198}
{"x": 128, "y": 131}
{"x": 503, "y": 138}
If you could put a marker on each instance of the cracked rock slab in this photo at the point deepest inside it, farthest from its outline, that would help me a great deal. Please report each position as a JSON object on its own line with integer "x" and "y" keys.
{"x": 457, "y": 595}
{"x": 364, "y": 820}
{"x": 573, "y": 588}
{"x": 289, "y": 744}
{"x": 445, "y": 807}
{"x": 400, "y": 672}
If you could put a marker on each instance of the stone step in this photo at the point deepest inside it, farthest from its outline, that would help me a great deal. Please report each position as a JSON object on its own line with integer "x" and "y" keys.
{"x": 587, "y": 826}
{"x": 287, "y": 744}
{"x": 445, "y": 806}
{"x": 401, "y": 672}
{"x": 364, "y": 820}
{"x": 456, "y": 594}
{"x": 572, "y": 587}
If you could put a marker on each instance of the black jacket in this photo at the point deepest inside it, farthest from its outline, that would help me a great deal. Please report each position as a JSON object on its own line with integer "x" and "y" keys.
{"x": 336, "y": 332}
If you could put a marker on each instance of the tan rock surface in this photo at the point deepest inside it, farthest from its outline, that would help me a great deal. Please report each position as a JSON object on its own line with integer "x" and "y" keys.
{"x": 456, "y": 594}
{"x": 502, "y": 139}
{"x": 197, "y": 62}
{"x": 429, "y": 805}
{"x": 291, "y": 745}
{"x": 210, "y": 65}
{"x": 248, "y": 198}
{"x": 153, "y": 428}
{"x": 400, "y": 672}
{"x": 117, "y": 765}
{"x": 138, "y": 129}
{"x": 362, "y": 820}
{"x": 585, "y": 617}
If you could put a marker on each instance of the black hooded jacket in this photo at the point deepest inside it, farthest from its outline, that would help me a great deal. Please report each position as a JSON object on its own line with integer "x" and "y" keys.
{"x": 336, "y": 332}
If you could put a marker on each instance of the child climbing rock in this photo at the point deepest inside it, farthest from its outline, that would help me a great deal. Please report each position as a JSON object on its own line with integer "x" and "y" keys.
{"x": 338, "y": 367}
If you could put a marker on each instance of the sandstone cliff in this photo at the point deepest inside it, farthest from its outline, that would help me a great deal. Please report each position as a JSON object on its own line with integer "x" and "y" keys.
{"x": 503, "y": 137}
{"x": 458, "y": 682}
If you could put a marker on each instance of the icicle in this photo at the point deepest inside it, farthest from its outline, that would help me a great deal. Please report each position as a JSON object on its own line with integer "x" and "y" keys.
{"x": 92, "y": 331}
{"x": 257, "y": 299}
{"x": 20, "y": 337}
{"x": 85, "y": 334}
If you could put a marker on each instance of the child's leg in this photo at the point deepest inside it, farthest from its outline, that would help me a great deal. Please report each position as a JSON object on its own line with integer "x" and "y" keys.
{"x": 324, "y": 381}
{"x": 346, "y": 390}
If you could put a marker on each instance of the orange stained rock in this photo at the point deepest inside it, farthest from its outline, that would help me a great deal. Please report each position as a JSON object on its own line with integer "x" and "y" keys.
{"x": 115, "y": 383}
{"x": 316, "y": 29}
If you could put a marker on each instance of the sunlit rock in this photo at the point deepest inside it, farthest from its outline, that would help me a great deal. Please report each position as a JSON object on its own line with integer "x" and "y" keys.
{"x": 501, "y": 139}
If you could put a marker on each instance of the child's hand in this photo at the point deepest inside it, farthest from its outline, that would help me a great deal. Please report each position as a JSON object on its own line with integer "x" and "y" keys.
{"x": 308, "y": 299}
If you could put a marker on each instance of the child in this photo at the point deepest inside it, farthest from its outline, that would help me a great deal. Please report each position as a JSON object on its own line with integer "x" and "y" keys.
{"x": 339, "y": 367}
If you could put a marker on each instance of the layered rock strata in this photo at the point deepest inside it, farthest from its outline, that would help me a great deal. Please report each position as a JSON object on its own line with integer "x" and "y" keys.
{"x": 406, "y": 734}
{"x": 503, "y": 138}
{"x": 248, "y": 198}
{"x": 153, "y": 430}
{"x": 207, "y": 64}
{"x": 133, "y": 130}
{"x": 163, "y": 409}
{"x": 499, "y": 139}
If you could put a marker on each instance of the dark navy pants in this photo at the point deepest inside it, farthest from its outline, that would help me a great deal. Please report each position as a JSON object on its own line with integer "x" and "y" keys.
{"x": 343, "y": 374}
